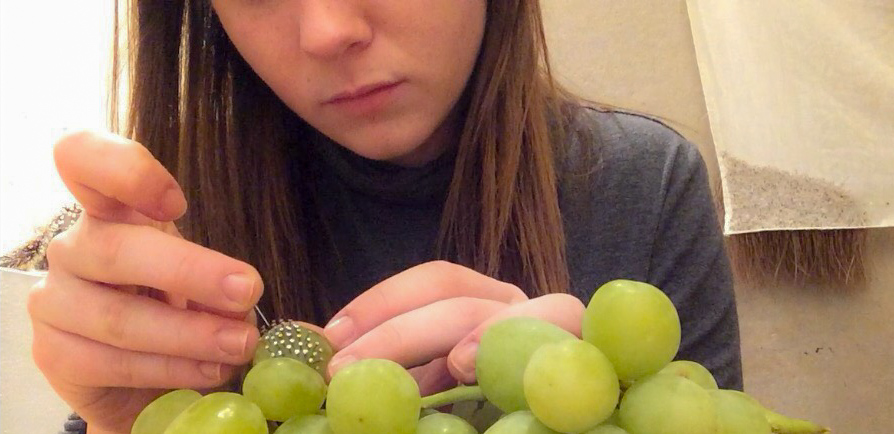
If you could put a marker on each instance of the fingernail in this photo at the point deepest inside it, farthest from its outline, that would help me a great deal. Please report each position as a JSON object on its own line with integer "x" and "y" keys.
{"x": 232, "y": 341}
{"x": 340, "y": 362}
{"x": 464, "y": 360}
{"x": 340, "y": 332}
{"x": 210, "y": 370}
{"x": 173, "y": 204}
{"x": 239, "y": 289}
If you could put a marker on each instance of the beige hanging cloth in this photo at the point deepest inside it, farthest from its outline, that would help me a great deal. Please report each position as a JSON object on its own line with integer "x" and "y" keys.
{"x": 800, "y": 95}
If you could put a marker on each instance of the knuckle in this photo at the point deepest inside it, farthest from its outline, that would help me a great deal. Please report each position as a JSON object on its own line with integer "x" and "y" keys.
{"x": 108, "y": 243}
{"x": 114, "y": 320}
{"x": 440, "y": 265}
{"x": 477, "y": 311}
{"x": 188, "y": 262}
{"x": 185, "y": 331}
{"x": 36, "y": 297}
{"x": 391, "y": 335}
{"x": 566, "y": 300}
{"x": 43, "y": 354}
{"x": 517, "y": 293}
{"x": 475, "y": 307}
{"x": 181, "y": 339}
{"x": 137, "y": 169}
{"x": 468, "y": 304}
{"x": 442, "y": 275}
{"x": 47, "y": 357}
{"x": 384, "y": 301}
{"x": 172, "y": 370}
{"x": 57, "y": 248}
{"x": 71, "y": 141}
{"x": 121, "y": 368}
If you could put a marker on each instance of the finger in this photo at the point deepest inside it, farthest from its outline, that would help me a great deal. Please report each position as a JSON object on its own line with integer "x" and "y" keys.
{"x": 421, "y": 335}
{"x": 433, "y": 377}
{"x": 252, "y": 318}
{"x": 77, "y": 360}
{"x": 310, "y": 326}
{"x": 136, "y": 323}
{"x": 111, "y": 176}
{"x": 563, "y": 310}
{"x": 198, "y": 307}
{"x": 412, "y": 289}
{"x": 121, "y": 254}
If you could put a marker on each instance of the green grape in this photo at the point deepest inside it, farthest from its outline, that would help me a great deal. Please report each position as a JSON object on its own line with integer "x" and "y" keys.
{"x": 738, "y": 415}
{"x": 373, "y": 396}
{"x": 305, "y": 424}
{"x": 284, "y": 388}
{"x": 443, "y": 423}
{"x": 693, "y": 371}
{"x": 156, "y": 417}
{"x": 667, "y": 404}
{"x": 297, "y": 341}
{"x": 261, "y": 353}
{"x": 571, "y": 386}
{"x": 220, "y": 413}
{"x": 784, "y": 424}
{"x": 428, "y": 412}
{"x": 606, "y": 429}
{"x": 503, "y": 354}
{"x": 519, "y": 422}
{"x": 780, "y": 423}
{"x": 635, "y": 325}
{"x": 614, "y": 419}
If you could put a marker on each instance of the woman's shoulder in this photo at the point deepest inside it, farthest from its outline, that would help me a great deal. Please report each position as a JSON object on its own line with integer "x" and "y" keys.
{"x": 632, "y": 154}
{"x": 627, "y": 182}
{"x": 615, "y": 141}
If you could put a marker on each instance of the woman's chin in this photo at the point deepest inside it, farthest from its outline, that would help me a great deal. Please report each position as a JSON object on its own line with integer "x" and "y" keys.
{"x": 402, "y": 153}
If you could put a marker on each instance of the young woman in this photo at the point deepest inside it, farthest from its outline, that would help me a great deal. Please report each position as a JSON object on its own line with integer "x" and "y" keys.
{"x": 404, "y": 173}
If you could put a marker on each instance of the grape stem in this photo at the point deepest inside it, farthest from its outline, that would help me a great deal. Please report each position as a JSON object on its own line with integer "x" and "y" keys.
{"x": 452, "y": 396}
{"x": 781, "y": 424}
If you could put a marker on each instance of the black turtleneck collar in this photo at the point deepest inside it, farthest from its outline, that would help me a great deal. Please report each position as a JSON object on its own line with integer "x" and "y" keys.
{"x": 386, "y": 181}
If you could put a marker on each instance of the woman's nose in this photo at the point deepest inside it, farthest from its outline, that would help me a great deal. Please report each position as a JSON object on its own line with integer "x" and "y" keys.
{"x": 330, "y": 28}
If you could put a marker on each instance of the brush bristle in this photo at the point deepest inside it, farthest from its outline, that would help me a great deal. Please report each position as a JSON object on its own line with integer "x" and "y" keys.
{"x": 832, "y": 258}
{"x": 829, "y": 258}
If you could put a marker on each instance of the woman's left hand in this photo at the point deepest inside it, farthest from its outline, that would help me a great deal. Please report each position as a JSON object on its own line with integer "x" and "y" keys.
{"x": 431, "y": 317}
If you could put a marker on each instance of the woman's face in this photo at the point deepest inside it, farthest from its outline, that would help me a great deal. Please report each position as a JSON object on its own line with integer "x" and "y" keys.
{"x": 380, "y": 77}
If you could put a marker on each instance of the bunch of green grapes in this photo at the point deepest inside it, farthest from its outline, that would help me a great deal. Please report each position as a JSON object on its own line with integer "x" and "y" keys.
{"x": 533, "y": 377}
{"x": 284, "y": 386}
{"x": 620, "y": 377}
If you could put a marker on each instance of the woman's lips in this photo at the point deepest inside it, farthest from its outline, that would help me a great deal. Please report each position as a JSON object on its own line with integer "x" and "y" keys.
{"x": 366, "y": 100}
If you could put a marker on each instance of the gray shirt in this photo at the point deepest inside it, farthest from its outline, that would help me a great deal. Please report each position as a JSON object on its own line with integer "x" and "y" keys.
{"x": 644, "y": 213}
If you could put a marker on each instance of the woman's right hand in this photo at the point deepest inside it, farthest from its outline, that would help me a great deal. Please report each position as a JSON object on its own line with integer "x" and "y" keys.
{"x": 129, "y": 308}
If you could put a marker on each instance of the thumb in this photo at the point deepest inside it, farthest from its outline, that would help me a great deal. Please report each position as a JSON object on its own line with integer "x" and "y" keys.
{"x": 117, "y": 179}
{"x": 563, "y": 310}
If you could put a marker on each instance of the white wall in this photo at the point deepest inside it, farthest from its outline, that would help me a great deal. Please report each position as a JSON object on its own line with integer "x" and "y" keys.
{"x": 53, "y": 60}
{"x": 636, "y": 54}
{"x": 27, "y": 403}
{"x": 53, "y": 63}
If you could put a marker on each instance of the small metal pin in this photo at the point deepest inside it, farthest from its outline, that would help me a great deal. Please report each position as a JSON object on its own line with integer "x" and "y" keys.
{"x": 261, "y": 315}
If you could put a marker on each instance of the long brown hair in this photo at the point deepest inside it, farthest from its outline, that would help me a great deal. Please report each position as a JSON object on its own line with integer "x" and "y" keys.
{"x": 202, "y": 111}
